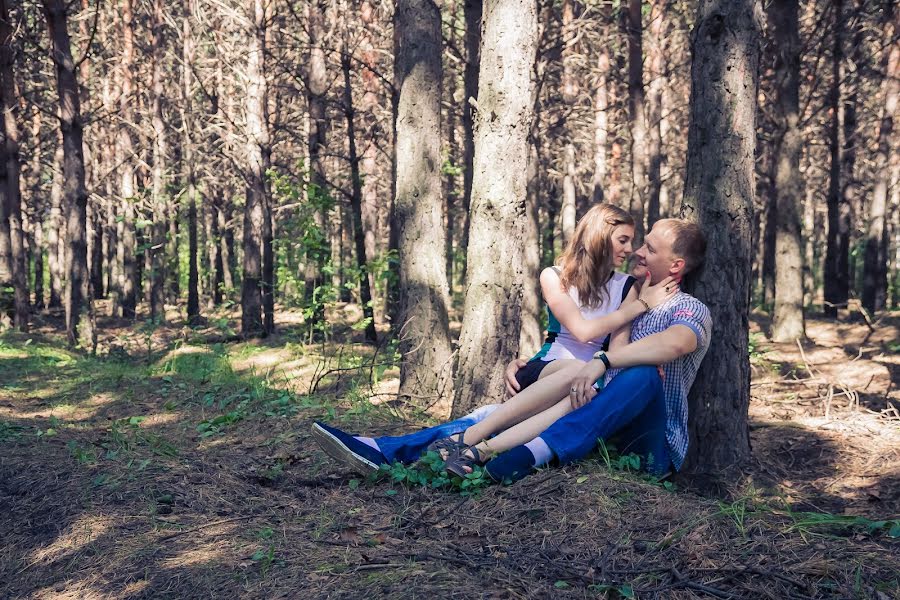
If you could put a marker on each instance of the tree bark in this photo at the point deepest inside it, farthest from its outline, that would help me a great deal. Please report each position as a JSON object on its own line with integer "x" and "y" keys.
{"x": 187, "y": 157}
{"x": 719, "y": 191}
{"x": 160, "y": 176}
{"x": 837, "y": 267}
{"x": 426, "y": 370}
{"x": 656, "y": 50}
{"x": 10, "y": 195}
{"x": 257, "y": 317}
{"x": 875, "y": 280}
{"x": 79, "y": 304}
{"x": 494, "y": 272}
{"x": 356, "y": 197}
{"x": 56, "y": 231}
{"x": 601, "y": 127}
{"x": 128, "y": 186}
{"x": 472, "y": 13}
{"x": 569, "y": 94}
{"x": 788, "y": 321}
{"x": 637, "y": 116}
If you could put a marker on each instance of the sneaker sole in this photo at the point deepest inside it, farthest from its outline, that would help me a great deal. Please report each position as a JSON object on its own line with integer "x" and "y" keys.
{"x": 337, "y": 450}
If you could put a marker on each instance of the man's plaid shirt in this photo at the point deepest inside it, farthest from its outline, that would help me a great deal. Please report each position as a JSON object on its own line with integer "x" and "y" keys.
{"x": 680, "y": 309}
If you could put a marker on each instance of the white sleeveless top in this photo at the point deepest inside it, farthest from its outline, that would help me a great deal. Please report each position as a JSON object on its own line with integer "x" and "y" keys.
{"x": 565, "y": 345}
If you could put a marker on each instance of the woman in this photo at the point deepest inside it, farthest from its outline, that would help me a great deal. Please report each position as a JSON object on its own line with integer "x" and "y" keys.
{"x": 587, "y": 300}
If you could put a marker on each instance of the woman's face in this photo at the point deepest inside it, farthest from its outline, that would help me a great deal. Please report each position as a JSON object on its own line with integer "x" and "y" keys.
{"x": 620, "y": 242}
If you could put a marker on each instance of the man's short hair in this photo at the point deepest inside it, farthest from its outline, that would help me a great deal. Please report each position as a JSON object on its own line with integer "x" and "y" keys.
{"x": 689, "y": 242}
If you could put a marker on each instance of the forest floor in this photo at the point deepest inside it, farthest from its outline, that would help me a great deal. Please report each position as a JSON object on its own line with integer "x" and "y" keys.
{"x": 174, "y": 465}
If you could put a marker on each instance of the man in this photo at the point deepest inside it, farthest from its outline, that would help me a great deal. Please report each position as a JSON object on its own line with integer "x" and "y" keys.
{"x": 644, "y": 401}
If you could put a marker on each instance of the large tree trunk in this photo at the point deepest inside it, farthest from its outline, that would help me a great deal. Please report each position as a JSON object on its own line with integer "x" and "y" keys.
{"x": 788, "y": 319}
{"x": 530, "y": 330}
{"x": 10, "y": 196}
{"x": 79, "y": 304}
{"x": 495, "y": 268}
{"x": 637, "y": 116}
{"x": 874, "y": 293}
{"x": 837, "y": 268}
{"x": 256, "y": 290}
{"x": 719, "y": 191}
{"x": 356, "y": 196}
{"x": 472, "y": 12}
{"x": 159, "y": 175}
{"x": 426, "y": 375}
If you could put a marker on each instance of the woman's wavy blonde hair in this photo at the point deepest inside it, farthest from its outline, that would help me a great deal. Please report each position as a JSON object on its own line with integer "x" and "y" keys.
{"x": 587, "y": 263}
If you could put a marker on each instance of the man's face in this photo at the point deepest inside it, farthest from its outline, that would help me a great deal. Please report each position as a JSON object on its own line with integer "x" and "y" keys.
{"x": 656, "y": 255}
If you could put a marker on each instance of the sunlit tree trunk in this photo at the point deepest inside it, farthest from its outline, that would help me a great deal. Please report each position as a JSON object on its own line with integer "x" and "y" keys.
{"x": 719, "y": 192}
{"x": 426, "y": 375}
{"x": 601, "y": 120}
{"x": 257, "y": 317}
{"x": 494, "y": 271}
{"x": 656, "y": 71}
{"x": 127, "y": 162}
{"x": 79, "y": 309}
{"x": 874, "y": 293}
{"x": 160, "y": 176}
{"x": 56, "y": 256}
{"x": 788, "y": 318}
{"x": 187, "y": 158}
{"x": 569, "y": 94}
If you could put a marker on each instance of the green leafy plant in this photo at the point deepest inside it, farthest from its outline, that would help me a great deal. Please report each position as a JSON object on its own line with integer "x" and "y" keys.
{"x": 429, "y": 471}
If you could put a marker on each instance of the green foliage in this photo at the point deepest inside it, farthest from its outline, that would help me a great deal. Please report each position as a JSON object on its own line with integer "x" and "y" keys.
{"x": 429, "y": 472}
{"x": 10, "y": 431}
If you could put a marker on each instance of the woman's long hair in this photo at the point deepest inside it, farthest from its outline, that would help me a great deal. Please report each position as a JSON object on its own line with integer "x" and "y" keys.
{"x": 586, "y": 263}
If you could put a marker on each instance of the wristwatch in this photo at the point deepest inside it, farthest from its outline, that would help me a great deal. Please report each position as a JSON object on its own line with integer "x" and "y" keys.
{"x": 601, "y": 355}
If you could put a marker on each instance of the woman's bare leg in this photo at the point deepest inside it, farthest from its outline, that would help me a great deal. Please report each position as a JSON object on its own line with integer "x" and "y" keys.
{"x": 525, "y": 431}
{"x": 558, "y": 364}
{"x": 537, "y": 397}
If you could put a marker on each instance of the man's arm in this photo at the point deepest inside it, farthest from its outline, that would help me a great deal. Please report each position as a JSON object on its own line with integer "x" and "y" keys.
{"x": 657, "y": 349}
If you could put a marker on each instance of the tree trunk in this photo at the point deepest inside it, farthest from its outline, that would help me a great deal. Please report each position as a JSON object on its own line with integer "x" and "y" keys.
{"x": 256, "y": 289}
{"x": 569, "y": 95}
{"x": 158, "y": 199}
{"x": 317, "y": 86}
{"x": 10, "y": 195}
{"x": 494, "y": 276}
{"x": 128, "y": 188}
{"x": 356, "y": 196}
{"x": 637, "y": 116}
{"x": 601, "y": 127}
{"x": 874, "y": 293}
{"x": 79, "y": 304}
{"x": 56, "y": 231}
{"x": 472, "y": 12}
{"x": 719, "y": 191}
{"x": 187, "y": 157}
{"x": 426, "y": 370}
{"x": 837, "y": 268}
{"x": 226, "y": 248}
{"x": 656, "y": 51}
{"x": 530, "y": 330}
{"x": 788, "y": 320}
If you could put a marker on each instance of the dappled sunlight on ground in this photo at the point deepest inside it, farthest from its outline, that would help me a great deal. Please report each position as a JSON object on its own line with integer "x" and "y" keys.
{"x": 200, "y": 553}
{"x": 80, "y": 533}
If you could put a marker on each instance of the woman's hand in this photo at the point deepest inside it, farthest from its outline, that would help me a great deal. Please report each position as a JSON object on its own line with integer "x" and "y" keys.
{"x": 583, "y": 390}
{"x": 512, "y": 385}
{"x": 654, "y": 295}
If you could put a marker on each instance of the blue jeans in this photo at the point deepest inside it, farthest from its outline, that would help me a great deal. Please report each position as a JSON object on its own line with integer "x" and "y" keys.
{"x": 408, "y": 448}
{"x": 632, "y": 408}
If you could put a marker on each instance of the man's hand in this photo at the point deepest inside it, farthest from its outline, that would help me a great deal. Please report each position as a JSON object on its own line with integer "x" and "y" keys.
{"x": 582, "y": 390}
{"x": 512, "y": 386}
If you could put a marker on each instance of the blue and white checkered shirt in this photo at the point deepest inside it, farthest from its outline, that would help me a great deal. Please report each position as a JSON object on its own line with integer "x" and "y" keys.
{"x": 680, "y": 309}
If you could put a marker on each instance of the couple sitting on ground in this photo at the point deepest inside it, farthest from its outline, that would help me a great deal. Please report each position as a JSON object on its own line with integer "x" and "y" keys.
{"x": 575, "y": 392}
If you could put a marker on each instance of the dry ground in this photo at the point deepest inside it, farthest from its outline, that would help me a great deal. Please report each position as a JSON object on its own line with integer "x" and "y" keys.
{"x": 189, "y": 473}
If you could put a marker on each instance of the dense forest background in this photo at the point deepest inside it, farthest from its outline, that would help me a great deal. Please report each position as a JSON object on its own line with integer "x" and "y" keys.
{"x": 222, "y": 219}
